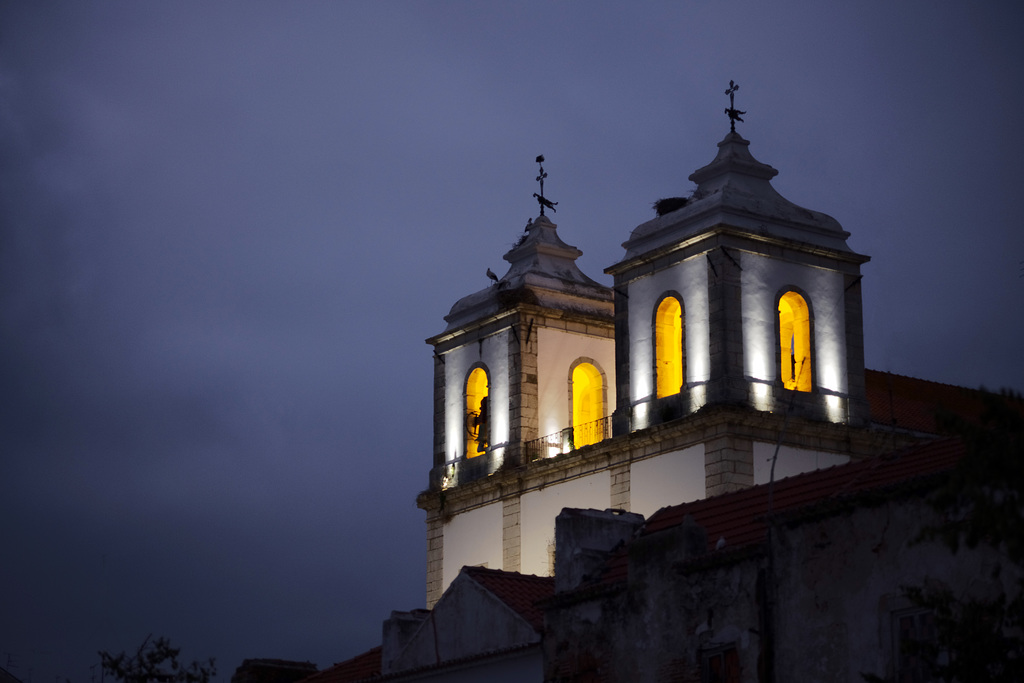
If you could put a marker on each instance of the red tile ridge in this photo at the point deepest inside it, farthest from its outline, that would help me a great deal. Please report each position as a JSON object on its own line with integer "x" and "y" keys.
{"x": 362, "y": 667}
{"x": 738, "y": 517}
{"x": 520, "y": 592}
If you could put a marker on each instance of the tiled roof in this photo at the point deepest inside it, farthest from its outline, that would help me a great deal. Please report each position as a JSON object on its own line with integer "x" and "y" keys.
{"x": 909, "y": 403}
{"x": 519, "y": 591}
{"x": 360, "y": 668}
{"x": 738, "y": 517}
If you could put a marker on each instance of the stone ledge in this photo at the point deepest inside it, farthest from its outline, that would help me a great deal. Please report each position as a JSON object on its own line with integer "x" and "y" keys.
{"x": 698, "y": 428}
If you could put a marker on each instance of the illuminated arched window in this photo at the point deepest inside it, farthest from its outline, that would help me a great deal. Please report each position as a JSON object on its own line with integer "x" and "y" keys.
{"x": 478, "y": 426}
{"x": 587, "y": 405}
{"x": 668, "y": 347}
{"x": 795, "y": 342}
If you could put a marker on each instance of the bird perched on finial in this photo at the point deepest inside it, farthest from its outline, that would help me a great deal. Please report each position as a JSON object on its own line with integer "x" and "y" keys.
{"x": 491, "y": 275}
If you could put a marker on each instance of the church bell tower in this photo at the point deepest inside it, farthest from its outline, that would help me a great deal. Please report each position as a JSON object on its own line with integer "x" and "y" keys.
{"x": 736, "y": 296}
{"x": 728, "y": 353}
{"x": 524, "y": 369}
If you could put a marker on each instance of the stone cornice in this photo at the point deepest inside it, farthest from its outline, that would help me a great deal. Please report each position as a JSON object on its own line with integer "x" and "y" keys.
{"x": 646, "y": 443}
{"x": 730, "y": 236}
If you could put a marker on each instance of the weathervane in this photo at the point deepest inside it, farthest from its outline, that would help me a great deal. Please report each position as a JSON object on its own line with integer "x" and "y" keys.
{"x": 732, "y": 111}
{"x": 540, "y": 197}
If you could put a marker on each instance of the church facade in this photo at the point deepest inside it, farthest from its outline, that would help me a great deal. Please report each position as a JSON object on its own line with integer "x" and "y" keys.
{"x": 727, "y": 353}
{"x": 690, "y": 475}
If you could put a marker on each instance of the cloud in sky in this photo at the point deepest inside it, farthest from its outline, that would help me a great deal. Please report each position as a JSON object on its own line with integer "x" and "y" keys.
{"x": 227, "y": 229}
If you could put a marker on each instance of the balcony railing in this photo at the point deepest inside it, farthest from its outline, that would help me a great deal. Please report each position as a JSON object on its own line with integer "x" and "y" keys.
{"x": 569, "y": 439}
{"x": 465, "y": 470}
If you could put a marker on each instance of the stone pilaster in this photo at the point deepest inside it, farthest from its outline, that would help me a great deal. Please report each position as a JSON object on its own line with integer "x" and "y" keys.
{"x": 728, "y": 464}
{"x": 620, "y": 486}
{"x": 529, "y": 419}
{"x": 726, "y": 383}
{"x": 435, "y": 559}
{"x": 511, "y": 539}
{"x": 622, "y": 416}
{"x": 439, "y": 430}
{"x": 859, "y": 411}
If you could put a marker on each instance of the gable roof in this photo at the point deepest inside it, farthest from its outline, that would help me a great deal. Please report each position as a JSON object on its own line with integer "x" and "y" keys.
{"x": 910, "y": 404}
{"x": 739, "y": 517}
{"x": 520, "y": 592}
{"x": 360, "y": 668}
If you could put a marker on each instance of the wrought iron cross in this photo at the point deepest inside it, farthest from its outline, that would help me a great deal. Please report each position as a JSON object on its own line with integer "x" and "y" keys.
{"x": 732, "y": 112}
{"x": 540, "y": 197}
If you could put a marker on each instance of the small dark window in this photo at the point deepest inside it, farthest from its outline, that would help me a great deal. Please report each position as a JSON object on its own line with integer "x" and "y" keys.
{"x": 911, "y": 630}
{"x": 721, "y": 666}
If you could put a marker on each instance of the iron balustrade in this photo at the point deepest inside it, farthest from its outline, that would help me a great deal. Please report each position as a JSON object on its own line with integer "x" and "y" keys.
{"x": 569, "y": 439}
{"x": 465, "y": 470}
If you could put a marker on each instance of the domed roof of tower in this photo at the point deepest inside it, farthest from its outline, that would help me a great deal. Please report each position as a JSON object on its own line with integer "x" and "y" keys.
{"x": 543, "y": 272}
{"x": 735, "y": 190}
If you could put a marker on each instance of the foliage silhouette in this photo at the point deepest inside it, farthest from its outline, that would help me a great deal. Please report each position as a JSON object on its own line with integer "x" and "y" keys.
{"x": 156, "y": 661}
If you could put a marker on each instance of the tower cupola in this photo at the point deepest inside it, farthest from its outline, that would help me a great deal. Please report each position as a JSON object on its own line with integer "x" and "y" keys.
{"x": 528, "y": 359}
{"x": 542, "y": 272}
{"x": 748, "y": 296}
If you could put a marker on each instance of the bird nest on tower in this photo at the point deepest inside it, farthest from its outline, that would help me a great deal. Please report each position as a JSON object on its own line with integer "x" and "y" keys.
{"x": 669, "y": 204}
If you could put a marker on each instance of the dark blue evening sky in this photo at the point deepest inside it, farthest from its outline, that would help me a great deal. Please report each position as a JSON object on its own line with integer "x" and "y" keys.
{"x": 227, "y": 229}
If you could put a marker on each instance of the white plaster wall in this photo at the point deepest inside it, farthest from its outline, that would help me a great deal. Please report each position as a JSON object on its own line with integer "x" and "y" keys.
{"x": 667, "y": 479}
{"x": 761, "y": 279}
{"x": 538, "y": 510}
{"x": 557, "y": 350}
{"x": 791, "y": 461}
{"x": 690, "y": 279}
{"x": 457, "y": 362}
{"x": 472, "y": 538}
{"x": 518, "y": 668}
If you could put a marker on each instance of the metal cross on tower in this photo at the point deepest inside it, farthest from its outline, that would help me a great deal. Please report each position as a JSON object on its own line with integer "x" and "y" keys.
{"x": 732, "y": 112}
{"x": 540, "y": 197}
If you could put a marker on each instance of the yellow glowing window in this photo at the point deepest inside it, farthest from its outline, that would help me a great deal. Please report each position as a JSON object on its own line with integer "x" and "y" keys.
{"x": 795, "y": 342}
{"x": 477, "y": 413}
{"x": 668, "y": 347}
{"x": 587, "y": 405}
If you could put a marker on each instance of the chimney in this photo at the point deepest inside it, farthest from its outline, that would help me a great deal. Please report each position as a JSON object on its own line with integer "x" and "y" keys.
{"x": 398, "y": 631}
{"x": 583, "y": 539}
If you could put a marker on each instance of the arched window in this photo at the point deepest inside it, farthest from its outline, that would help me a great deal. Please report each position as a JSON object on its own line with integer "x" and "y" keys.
{"x": 478, "y": 426}
{"x": 587, "y": 405}
{"x": 794, "y": 342}
{"x": 668, "y": 347}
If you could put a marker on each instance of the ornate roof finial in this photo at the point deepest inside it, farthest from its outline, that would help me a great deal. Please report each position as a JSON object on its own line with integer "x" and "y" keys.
{"x": 732, "y": 112}
{"x": 540, "y": 197}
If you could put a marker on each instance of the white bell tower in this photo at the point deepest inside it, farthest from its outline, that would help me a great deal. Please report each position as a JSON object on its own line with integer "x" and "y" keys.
{"x": 524, "y": 369}
{"x": 737, "y": 296}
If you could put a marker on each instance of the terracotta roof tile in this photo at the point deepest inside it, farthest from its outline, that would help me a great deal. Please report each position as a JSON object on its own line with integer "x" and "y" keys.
{"x": 910, "y": 403}
{"x": 360, "y": 668}
{"x": 521, "y": 592}
{"x": 738, "y": 517}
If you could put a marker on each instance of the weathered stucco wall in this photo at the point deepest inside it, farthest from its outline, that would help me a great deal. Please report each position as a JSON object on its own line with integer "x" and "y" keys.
{"x": 834, "y": 588}
{"x": 839, "y": 587}
{"x": 656, "y": 629}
